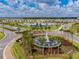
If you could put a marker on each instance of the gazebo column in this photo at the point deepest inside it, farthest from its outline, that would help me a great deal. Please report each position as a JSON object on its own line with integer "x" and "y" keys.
{"x": 43, "y": 51}
{"x": 54, "y": 51}
{"x": 58, "y": 50}
{"x": 47, "y": 51}
{"x": 51, "y": 51}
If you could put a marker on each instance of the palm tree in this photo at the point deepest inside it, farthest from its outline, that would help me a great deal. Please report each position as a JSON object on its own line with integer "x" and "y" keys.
{"x": 28, "y": 41}
{"x": 24, "y": 41}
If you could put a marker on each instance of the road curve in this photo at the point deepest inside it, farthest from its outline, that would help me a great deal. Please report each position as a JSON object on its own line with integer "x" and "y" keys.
{"x": 66, "y": 35}
{"x": 8, "y": 38}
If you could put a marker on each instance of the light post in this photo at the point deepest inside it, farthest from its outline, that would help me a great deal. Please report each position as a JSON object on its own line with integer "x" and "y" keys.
{"x": 3, "y": 26}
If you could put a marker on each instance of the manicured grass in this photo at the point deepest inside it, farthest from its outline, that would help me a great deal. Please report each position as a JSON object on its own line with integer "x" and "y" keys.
{"x": 50, "y": 28}
{"x": 18, "y": 52}
{"x": 74, "y": 28}
{"x": 76, "y": 45}
{"x": 54, "y": 27}
{"x": 46, "y": 28}
{"x": 61, "y": 56}
{"x": 1, "y": 35}
{"x": 25, "y": 27}
{"x": 64, "y": 56}
{"x": 75, "y": 55}
{"x": 11, "y": 23}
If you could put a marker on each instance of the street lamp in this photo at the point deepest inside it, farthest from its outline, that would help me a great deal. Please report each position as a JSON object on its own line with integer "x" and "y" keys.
{"x": 3, "y": 26}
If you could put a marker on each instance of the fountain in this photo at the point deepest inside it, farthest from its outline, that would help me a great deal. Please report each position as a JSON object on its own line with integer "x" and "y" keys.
{"x": 46, "y": 46}
{"x": 47, "y": 38}
{"x": 47, "y": 43}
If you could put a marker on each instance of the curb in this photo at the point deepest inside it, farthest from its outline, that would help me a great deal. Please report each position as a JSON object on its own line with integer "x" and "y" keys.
{"x": 9, "y": 45}
{"x": 4, "y": 55}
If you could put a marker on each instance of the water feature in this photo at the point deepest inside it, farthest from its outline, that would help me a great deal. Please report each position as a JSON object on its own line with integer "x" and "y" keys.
{"x": 47, "y": 42}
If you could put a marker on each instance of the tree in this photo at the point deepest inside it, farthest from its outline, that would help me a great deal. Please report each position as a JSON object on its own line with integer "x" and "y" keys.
{"x": 28, "y": 41}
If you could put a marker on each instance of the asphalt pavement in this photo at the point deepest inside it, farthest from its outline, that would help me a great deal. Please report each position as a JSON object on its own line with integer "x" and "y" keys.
{"x": 9, "y": 36}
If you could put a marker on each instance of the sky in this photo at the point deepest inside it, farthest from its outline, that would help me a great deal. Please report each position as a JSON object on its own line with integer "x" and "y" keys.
{"x": 39, "y": 8}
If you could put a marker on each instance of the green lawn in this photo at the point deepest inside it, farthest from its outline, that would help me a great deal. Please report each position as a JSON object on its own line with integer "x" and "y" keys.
{"x": 75, "y": 55}
{"x": 18, "y": 52}
{"x": 46, "y": 28}
{"x": 11, "y": 23}
{"x": 1, "y": 35}
{"x": 74, "y": 28}
{"x": 61, "y": 56}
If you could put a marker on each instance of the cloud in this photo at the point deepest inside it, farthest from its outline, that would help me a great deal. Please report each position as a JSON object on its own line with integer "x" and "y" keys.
{"x": 43, "y": 5}
{"x": 41, "y": 8}
{"x": 6, "y": 9}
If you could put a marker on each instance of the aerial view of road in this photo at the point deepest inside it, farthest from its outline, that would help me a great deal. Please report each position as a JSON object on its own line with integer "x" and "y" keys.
{"x": 11, "y": 33}
{"x": 66, "y": 35}
{"x": 39, "y": 29}
{"x": 3, "y": 43}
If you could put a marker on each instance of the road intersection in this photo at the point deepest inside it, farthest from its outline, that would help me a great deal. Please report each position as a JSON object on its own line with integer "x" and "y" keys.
{"x": 9, "y": 36}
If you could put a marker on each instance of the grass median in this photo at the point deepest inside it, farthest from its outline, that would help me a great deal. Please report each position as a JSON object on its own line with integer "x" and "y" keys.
{"x": 18, "y": 52}
{"x": 1, "y": 35}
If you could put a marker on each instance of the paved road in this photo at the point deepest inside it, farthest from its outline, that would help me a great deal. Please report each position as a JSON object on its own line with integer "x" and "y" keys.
{"x": 9, "y": 36}
{"x": 67, "y": 36}
{"x": 67, "y": 26}
{"x": 14, "y": 28}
